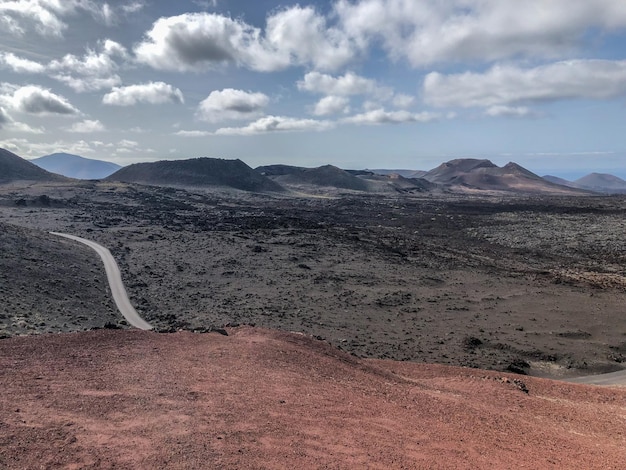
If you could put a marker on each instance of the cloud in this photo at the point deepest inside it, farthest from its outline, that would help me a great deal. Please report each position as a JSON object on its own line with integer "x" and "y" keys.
{"x": 201, "y": 41}
{"x": 431, "y": 31}
{"x": 45, "y": 17}
{"x": 332, "y": 105}
{"x": 87, "y": 126}
{"x": 32, "y": 99}
{"x": 133, "y": 7}
{"x": 305, "y": 36}
{"x": 195, "y": 42}
{"x": 269, "y": 124}
{"x": 94, "y": 71}
{"x": 231, "y": 104}
{"x": 403, "y": 101}
{"x": 193, "y": 133}
{"x": 7, "y": 122}
{"x": 152, "y": 93}
{"x": 345, "y": 85}
{"x": 510, "y": 111}
{"x": 506, "y": 85}
{"x": 380, "y": 116}
{"x": 4, "y": 117}
{"x": 30, "y": 148}
{"x": 19, "y": 64}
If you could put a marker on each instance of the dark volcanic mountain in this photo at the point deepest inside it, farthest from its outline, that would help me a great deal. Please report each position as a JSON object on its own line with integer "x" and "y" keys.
{"x": 557, "y": 180}
{"x": 14, "y": 168}
{"x": 326, "y": 176}
{"x": 473, "y": 174}
{"x": 403, "y": 173}
{"x": 196, "y": 172}
{"x": 75, "y": 166}
{"x": 602, "y": 182}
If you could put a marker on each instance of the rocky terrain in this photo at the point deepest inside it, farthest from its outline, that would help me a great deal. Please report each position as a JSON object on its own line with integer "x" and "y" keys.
{"x": 269, "y": 399}
{"x": 531, "y": 285}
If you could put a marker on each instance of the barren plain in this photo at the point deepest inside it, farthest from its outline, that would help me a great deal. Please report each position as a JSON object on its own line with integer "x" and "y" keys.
{"x": 532, "y": 285}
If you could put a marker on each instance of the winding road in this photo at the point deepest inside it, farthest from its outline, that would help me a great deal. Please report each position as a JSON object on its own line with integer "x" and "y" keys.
{"x": 612, "y": 378}
{"x": 115, "y": 281}
{"x": 123, "y": 304}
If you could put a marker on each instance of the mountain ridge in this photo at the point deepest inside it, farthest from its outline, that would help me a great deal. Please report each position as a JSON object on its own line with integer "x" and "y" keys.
{"x": 76, "y": 166}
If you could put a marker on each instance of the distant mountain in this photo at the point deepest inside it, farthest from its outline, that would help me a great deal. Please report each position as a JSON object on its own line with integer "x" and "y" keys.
{"x": 196, "y": 172}
{"x": 471, "y": 174}
{"x": 396, "y": 183}
{"x": 75, "y": 166}
{"x": 325, "y": 176}
{"x": 404, "y": 173}
{"x": 557, "y": 180}
{"x": 14, "y": 168}
{"x": 602, "y": 182}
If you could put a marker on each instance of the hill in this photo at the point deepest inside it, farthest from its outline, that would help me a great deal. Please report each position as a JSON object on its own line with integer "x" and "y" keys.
{"x": 470, "y": 174}
{"x": 602, "y": 182}
{"x": 75, "y": 166}
{"x": 267, "y": 399}
{"x": 196, "y": 172}
{"x": 323, "y": 176}
{"x": 404, "y": 173}
{"x": 15, "y": 168}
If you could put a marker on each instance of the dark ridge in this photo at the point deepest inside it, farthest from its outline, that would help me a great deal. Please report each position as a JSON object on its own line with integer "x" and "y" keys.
{"x": 326, "y": 176}
{"x": 196, "y": 172}
{"x": 14, "y": 168}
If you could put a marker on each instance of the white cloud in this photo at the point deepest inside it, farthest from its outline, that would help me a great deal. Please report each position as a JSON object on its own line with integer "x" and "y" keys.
{"x": 332, "y": 105}
{"x": 433, "y": 31}
{"x": 19, "y": 64}
{"x": 306, "y": 38}
{"x": 96, "y": 70}
{"x": 31, "y": 149}
{"x": 193, "y": 133}
{"x": 505, "y": 85}
{"x": 403, "y": 101}
{"x": 196, "y": 41}
{"x": 201, "y": 41}
{"x": 276, "y": 124}
{"x": 380, "y": 116}
{"x": 345, "y": 85}
{"x": 87, "y": 126}
{"x": 133, "y": 7}
{"x": 510, "y": 111}
{"x": 231, "y": 104}
{"x": 32, "y": 99}
{"x": 4, "y": 118}
{"x": 7, "y": 123}
{"x": 152, "y": 93}
{"x": 45, "y": 17}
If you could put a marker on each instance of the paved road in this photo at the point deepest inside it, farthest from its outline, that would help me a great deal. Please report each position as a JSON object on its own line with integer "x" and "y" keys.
{"x": 115, "y": 281}
{"x": 612, "y": 378}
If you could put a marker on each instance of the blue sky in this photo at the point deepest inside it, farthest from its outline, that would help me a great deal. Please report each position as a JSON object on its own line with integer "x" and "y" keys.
{"x": 355, "y": 83}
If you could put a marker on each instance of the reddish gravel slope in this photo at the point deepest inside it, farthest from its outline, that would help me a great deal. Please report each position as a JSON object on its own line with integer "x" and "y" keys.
{"x": 266, "y": 399}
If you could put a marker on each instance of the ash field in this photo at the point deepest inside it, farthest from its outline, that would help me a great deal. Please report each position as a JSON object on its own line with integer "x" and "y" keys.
{"x": 531, "y": 284}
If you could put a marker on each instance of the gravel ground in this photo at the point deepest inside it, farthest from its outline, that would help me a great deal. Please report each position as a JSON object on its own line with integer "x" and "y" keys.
{"x": 531, "y": 285}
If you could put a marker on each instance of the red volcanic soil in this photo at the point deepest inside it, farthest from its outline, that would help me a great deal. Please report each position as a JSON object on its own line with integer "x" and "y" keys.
{"x": 267, "y": 399}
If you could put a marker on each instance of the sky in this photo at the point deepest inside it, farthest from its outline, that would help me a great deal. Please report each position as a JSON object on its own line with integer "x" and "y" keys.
{"x": 404, "y": 84}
